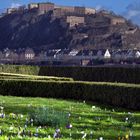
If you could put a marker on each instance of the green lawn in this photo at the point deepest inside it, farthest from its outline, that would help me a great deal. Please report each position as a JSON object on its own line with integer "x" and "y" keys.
{"x": 89, "y": 119}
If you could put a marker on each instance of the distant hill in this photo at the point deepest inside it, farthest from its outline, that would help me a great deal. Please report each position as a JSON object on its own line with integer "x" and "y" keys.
{"x": 46, "y": 31}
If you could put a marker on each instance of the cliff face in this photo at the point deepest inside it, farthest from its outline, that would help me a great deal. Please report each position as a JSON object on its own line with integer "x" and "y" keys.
{"x": 42, "y": 32}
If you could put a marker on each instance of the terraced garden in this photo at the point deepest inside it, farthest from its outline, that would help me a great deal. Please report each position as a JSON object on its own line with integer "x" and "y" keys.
{"x": 28, "y": 118}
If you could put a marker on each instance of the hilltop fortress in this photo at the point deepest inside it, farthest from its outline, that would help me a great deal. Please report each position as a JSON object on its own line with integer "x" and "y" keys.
{"x": 73, "y": 15}
{"x": 61, "y": 10}
{"x": 73, "y": 34}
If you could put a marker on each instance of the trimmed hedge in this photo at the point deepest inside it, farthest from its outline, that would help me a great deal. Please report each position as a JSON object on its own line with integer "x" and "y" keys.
{"x": 20, "y": 69}
{"x": 32, "y": 77}
{"x": 99, "y": 74}
{"x": 125, "y": 95}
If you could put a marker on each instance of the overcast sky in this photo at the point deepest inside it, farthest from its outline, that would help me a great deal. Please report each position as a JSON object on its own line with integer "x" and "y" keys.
{"x": 128, "y": 8}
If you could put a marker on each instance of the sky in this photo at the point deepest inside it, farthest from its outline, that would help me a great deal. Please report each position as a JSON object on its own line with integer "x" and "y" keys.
{"x": 128, "y": 8}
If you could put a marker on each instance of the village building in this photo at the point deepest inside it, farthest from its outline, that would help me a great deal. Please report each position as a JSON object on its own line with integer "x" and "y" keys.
{"x": 1, "y": 55}
{"x": 75, "y": 20}
{"x": 117, "y": 55}
{"x": 41, "y": 56}
{"x": 99, "y": 54}
{"x": 107, "y": 54}
{"x": 21, "y": 57}
{"x": 130, "y": 54}
{"x": 85, "y": 62}
{"x": 137, "y": 54}
{"x": 29, "y": 54}
{"x": 73, "y": 52}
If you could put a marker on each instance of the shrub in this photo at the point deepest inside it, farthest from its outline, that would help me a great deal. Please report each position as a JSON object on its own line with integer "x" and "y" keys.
{"x": 49, "y": 117}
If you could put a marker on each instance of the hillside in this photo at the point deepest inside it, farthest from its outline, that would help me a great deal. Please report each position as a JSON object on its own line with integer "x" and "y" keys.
{"x": 43, "y": 32}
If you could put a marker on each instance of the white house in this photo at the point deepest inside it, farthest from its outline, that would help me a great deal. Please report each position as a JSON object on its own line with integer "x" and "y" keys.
{"x": 73, "y": 53}
{"x": 137, "y": 54}
{"x": 107, "y": 54}
{"x": 29, "y": 54}
{"x": 99, "y": 54}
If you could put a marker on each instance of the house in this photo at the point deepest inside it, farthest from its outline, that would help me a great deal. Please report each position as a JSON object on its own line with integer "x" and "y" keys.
{"x": 130, "y": 54}
{"x": 21, "y": 57}
{"x": 137, "y": 55}
{"x": 117, "y": 55}
{"x": 42, "y": 56}
{"x": 107, "y": 54}
{"x": 29, "y": 54}
{"x": 73, "y": 53}
{"x": 1, "y": 55}
{"x": 99, "y": 54}
{"x": 85, "y": 62}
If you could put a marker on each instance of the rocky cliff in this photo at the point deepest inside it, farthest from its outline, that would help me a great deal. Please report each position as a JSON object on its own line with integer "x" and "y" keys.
{"x": 42, "y": 32}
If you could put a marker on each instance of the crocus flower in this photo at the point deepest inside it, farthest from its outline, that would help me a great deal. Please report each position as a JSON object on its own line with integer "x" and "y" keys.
{"x": 69, "y": 126}
{"x": 84, "y": 136}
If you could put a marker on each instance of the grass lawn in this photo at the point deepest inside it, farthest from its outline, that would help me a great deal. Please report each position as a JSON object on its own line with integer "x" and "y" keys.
{"x": 88, "y": 120}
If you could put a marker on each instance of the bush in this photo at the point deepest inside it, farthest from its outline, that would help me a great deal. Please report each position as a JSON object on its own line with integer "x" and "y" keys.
{"x": 49, "y": 117}
{"x": 125, "y": 95}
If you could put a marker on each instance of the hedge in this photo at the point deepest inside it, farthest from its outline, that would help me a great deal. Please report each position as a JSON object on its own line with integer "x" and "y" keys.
{"x": 32, "y": 77}
{"x": 124, "y": 95}
{"x": 99, "y": 74}
{"x": 20, "y": 69}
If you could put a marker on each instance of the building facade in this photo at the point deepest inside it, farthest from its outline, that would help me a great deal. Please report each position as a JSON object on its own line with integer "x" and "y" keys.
{"x": 32, "y": 6}
{"x": 29, "y": 54}
{"x": 79, "y": 10}
{"x": 75, "y": 20}
{"x": 117, "y": 20}
{"x": 90, "y": 11}
{"x": 45, "y": 7}
{"x": 11, "y": 10}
